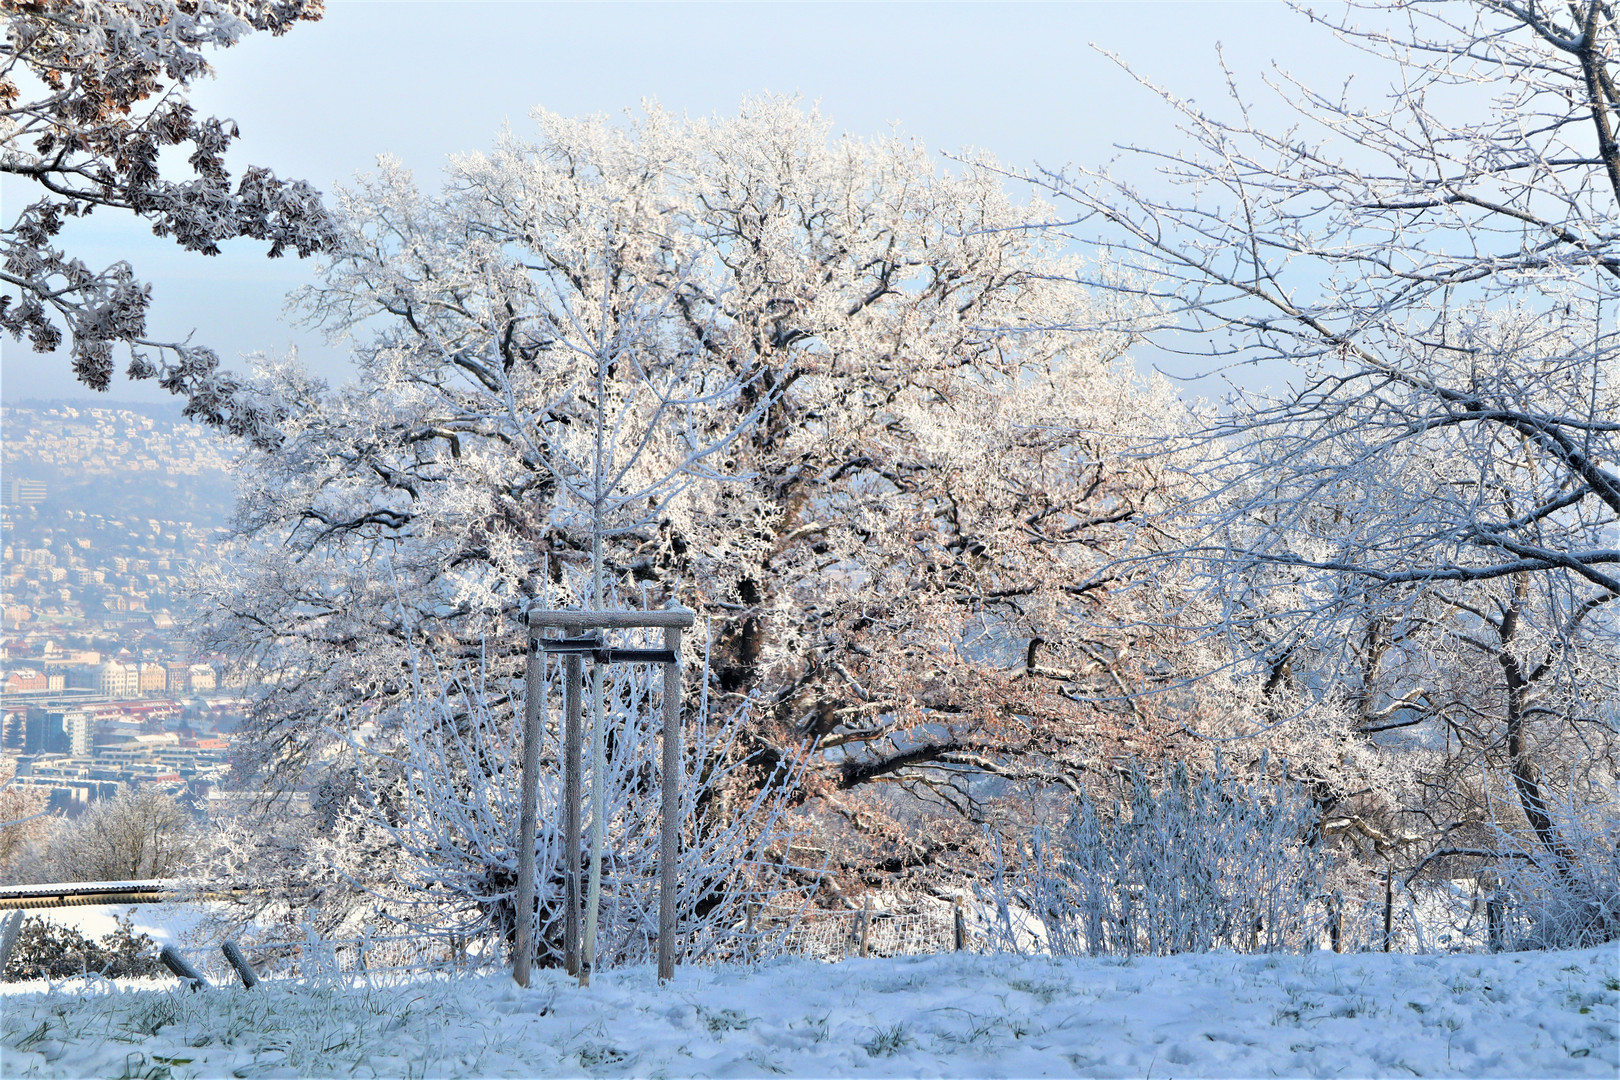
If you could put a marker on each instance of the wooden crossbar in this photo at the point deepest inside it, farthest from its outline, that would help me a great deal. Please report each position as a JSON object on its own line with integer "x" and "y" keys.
{"x": 621, "y": 620}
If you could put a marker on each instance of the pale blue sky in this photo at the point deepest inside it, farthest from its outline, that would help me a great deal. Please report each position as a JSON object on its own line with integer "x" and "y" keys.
{"x": 423, "y": 80}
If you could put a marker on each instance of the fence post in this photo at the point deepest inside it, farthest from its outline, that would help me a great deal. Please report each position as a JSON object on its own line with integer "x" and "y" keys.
{"x": 573, "y": 750}
{"x": 233, "y": 953}
{"x": 8, "y": 938}
{"x": 528, "y": 825}
{"x": 959, "y": 926}
{"x": 171, "y": 958}
{"x": 1336, "y": 922}
{"x": 1389, "y": 907}
{"x": 458, "y": 953}
{"x": 669, "y": 849}
{"x": 866, "y": 927}
{"x": 1494, "y": 921}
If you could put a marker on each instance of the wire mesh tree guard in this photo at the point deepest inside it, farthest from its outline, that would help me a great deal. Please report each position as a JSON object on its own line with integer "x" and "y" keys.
{"x": 574, "y": 647}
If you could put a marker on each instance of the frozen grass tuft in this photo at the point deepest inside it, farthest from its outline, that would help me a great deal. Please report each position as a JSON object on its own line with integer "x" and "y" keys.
{"x": 887, "y": 1041}
{"x": 282, "y": 1028}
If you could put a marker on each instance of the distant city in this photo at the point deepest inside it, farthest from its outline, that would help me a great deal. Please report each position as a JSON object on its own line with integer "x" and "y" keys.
{"x": 105, "y": 510}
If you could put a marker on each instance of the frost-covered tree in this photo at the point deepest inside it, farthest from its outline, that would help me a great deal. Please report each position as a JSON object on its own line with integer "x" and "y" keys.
{"x": 136, "y": 835}
{"x": 904, "y": 562}
{"x": 91, "y": 93}
{"x": 1419, "y": 529}
{"x": 439, "y": 808}
{"x": 25, "y": 823}
{"x": 418, "y": 833}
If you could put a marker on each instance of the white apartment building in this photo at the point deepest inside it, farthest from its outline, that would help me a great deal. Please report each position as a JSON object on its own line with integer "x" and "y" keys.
{"x": 81, "y": 730}
{"x": 118, "y": 680}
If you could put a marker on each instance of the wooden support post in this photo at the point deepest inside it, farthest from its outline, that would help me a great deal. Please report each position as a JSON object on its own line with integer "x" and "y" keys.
{"x": 8, "y": 939}
{"x": 1336, "y": 921}
{"x": 669, "y": 850}
{"x": 573, "y": 752}
{"x": 171, "y": 958}
{"x": 1494, "y": 928}
{"x": 528, "y": 823}
{"x": 959, "y": 925}
{"x": 866, "y": 927}
{"x": 598, "y": 842}
{"x": 244, "y": 970}
{"x": 576, "y": 952}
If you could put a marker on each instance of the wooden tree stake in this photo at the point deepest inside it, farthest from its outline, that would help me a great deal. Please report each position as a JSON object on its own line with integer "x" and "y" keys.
{"x": 573, "y": 752}
{"x": 669, "y": 852}
{"x": 528, "y": 825}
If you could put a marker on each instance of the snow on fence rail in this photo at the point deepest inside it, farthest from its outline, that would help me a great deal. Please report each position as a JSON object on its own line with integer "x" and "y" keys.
{"x": 819, "y": 935}
{"x": 838, "y": 935}
{"x": 317, "y": 959}
{"x": 1429, "y": 917}
{"x": 1445, "y": 917}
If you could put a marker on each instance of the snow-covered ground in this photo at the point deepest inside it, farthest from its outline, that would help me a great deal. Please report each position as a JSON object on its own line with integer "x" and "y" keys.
{"x": 1523, "y": 1014}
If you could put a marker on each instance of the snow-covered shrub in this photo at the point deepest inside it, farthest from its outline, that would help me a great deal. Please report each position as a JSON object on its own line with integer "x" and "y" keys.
{"x": 1569, "y": 899}
{"x": 1188, "y": 864}
{"x": 139, "y": 834}
{"x": 45, "y": 950}
{"x": 441, "y": 813}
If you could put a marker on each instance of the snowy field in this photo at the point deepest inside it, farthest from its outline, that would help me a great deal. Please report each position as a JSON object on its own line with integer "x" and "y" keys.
{"x": 1525, "y": 1014}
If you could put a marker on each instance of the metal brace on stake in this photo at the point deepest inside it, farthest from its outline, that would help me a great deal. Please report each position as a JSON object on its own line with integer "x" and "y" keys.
{"x": 573, "y": 647}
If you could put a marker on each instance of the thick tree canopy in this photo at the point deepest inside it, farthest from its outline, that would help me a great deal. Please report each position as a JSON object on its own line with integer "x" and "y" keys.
{"x": 911, "y": 480}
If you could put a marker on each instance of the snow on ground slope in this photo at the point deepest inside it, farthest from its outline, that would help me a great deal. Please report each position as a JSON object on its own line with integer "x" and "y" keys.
{"x": 1523, "y": 1014}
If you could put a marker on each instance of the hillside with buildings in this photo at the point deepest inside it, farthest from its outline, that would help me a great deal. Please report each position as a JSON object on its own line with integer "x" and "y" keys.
{"x": 105, "y": 510}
